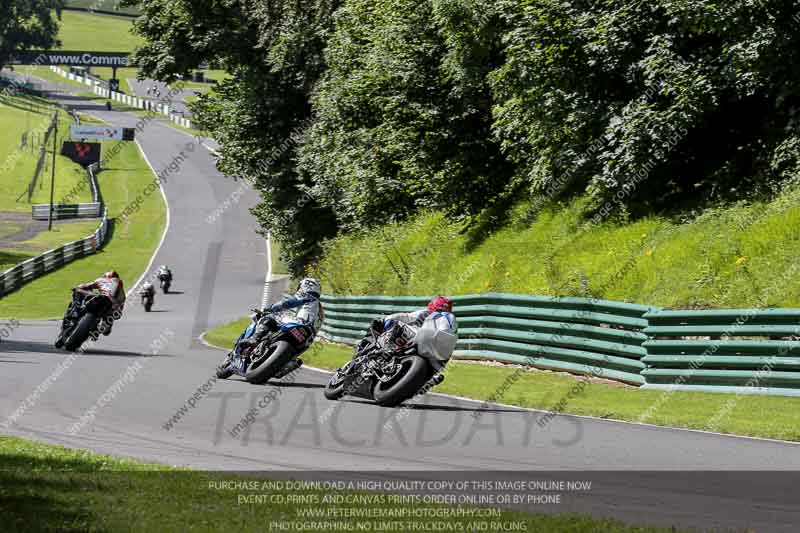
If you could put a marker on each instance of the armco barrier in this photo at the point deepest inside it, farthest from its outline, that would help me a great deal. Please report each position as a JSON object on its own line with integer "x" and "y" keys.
{"x": 42, "y": 211}
{"x": 751, "y": 351}
{"x": 90, "y": 210}
{"x": 579, "y": 335}
{"x": 15, "y": 277}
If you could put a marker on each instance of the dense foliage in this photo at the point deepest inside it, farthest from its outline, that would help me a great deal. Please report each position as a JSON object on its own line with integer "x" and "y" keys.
{"x": 352, "y": 113}
{"x": 27, "y": 24}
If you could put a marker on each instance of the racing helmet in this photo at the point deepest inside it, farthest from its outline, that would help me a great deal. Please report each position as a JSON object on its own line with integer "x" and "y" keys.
{"x": 441, "y": 304}
{"x": 111, "y": 274}
{"x": 309, "y": 286}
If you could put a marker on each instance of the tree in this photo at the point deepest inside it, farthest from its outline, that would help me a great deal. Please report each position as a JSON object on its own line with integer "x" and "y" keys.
{"x": 403, "y": 112}
{"x": 650, "y": 104}
{"x": 26, "y": 24}
{"x": 273, "y": 52}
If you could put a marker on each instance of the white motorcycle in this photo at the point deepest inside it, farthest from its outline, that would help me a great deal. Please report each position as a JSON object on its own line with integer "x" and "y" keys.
{"x": 397, "y": 364}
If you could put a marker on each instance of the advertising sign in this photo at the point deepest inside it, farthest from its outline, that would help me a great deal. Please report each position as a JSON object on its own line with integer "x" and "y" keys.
{"x": 95, "y": 133}
{"x": 70, "y": 58}
{"x": 82, "y": 153}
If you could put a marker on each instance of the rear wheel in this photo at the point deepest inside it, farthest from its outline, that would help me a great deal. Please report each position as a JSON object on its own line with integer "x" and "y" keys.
{"x": 264, "y": 366}
{"x": 82, "y": 331}
{"x": 413, "y": 374}
{"x": 148, "y": 305}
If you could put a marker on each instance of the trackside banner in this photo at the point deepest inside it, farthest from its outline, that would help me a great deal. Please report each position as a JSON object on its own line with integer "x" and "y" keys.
{"x": 71, "y": 59}
{"x": 95, "y": 133}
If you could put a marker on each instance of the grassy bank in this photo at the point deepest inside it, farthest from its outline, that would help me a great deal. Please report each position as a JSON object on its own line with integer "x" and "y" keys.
{"x": 755, "y": 416}
{"x": 725, "y": 257}
{"x": 131, "y": 244}
{"x": 30, "y": 115}
{"x": 96, "y": 32}
{"x": 50, "y": 488}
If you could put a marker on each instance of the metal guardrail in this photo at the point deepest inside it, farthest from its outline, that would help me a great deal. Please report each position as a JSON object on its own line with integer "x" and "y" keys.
{"x": 748, "y": 351}
{"x": 15, "y": 277}
{"x": 751, "y": 351}
{"x": 61, "y": 211}
{"x": 580, "y": 335}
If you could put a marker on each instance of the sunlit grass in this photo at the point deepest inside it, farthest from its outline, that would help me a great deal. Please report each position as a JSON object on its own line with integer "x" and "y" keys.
{"x": 732, "y": 257}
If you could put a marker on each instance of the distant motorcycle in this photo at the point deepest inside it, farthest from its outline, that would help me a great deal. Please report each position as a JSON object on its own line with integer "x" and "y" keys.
{"x": 274, "y": 357}
{"x": 148, "y": 296}
{"x": 390, "y": 370}
{"x": 165, "y": 281}
{"x": 82, "y": 319}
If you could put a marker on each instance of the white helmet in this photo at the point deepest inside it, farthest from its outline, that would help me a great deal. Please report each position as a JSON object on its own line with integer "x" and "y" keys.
{"x": 310, "y": 286}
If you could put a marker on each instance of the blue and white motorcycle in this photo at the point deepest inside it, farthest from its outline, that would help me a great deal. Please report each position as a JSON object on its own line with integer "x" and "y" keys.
{"x": 274, "y": 357}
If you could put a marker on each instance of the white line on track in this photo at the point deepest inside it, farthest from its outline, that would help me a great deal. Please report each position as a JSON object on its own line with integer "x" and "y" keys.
{"x": 166, "y": 227}
{"x": 268, "y": 280}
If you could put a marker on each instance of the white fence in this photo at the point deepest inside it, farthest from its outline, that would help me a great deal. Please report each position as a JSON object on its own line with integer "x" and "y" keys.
{"x": 60, "y": 211}
{"x": 17, "y": 276}
{"x": 89, "y": 210}
{"x": 153, "y": 106}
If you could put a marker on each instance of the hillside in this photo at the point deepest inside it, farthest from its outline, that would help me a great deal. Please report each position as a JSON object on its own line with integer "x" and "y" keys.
{"x": 737, "y": 256}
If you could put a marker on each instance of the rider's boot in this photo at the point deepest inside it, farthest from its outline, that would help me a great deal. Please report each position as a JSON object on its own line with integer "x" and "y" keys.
{"x": 248, "y": 343}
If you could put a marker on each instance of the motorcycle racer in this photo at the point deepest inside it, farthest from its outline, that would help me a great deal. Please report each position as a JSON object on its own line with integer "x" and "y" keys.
{"x": 414, "y": 319}
{"x": 306, "y": 298}
{"x": 405, "y": 326}
{"x": 109, "y": 285}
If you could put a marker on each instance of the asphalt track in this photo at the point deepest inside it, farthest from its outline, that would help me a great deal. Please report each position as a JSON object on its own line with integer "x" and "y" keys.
{"x": 657, "y": 475}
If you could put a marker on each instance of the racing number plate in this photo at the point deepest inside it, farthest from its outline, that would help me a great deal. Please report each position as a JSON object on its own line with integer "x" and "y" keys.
{"x": 298, "y": 335}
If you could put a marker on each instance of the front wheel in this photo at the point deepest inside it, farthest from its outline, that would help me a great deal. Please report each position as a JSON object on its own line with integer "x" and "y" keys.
{"x": 266, "y": 365}
{"x": 412, "y": 375}
{"x": 336, "y": 387}
{"x": 148, "y": 305}
{"x": 81, "y": 332}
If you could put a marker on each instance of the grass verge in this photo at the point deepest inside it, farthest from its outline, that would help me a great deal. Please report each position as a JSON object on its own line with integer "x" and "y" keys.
{"x": 51, "y": 488}
{"x": 131, "y": 244}
{"x": 756, "y": 416}
{"x": 30, "y": 115}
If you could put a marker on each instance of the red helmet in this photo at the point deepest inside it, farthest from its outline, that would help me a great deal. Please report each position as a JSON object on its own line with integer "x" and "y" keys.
{"x": 440, "y": 303}
{"x": 111, "y": 274}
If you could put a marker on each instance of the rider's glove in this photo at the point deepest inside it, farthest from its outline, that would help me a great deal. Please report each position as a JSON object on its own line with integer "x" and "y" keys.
{"x": 377, "y": 326}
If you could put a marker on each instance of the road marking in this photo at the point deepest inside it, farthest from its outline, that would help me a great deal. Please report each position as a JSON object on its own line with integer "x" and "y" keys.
{"x": 268, "y": 280}
{"x": 166, "y": 227}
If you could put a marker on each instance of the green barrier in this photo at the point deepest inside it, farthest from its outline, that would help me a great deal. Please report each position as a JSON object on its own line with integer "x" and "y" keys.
{"x": 579, "y": 335}
{"x": 746, "y": 351}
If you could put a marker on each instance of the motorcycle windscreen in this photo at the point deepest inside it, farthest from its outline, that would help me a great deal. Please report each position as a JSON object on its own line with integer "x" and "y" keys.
{"x": 437, "y": 338}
